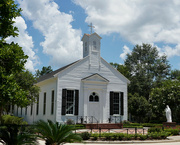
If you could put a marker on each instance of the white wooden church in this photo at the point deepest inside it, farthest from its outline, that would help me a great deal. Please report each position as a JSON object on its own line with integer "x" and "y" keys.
{"x": 88, "y": 90}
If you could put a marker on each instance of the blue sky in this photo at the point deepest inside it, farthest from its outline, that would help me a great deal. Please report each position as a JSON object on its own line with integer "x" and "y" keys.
{"x": 50, "y": 31}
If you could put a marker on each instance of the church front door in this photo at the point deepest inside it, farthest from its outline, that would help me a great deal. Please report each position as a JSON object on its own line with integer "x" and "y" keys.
{"x": 94, "y": 108}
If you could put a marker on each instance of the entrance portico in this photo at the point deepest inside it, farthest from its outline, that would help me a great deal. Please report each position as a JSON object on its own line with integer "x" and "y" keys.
{"x": 95, "y": 88}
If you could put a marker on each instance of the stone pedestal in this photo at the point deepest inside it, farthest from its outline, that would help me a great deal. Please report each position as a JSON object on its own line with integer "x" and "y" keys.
{"x": 169, "y": 124}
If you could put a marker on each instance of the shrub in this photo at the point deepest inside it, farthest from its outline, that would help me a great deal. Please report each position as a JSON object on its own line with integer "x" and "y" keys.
{"x": 165, "y": 134}
{"x": 132, "y": 125}
{"x": 128, "y": 136}
{"x": 85, "y": 135}
{"x": 136, "y": 136}
{"x": 154, "y": 135}
{"x": 143, "y": 137}
{"x": 129, "y": 126}
{"x": 107, "y": 136}
{"x": 159, "y": 135}
{"x": 114, "y": 136}
{"x": 120, "y": 136}
{"x": 148, "y": 125}
{"x": 154, "y": 129}
{"x": 94, "y": 136}
{"x": 78, "y": 126}
{"x": 135, "y": 124}
{"x": 172, "y": 131}
{"x": 8, "y": 119}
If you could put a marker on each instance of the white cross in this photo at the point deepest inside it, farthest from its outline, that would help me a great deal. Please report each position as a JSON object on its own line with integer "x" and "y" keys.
{"x": 91, "y": 27}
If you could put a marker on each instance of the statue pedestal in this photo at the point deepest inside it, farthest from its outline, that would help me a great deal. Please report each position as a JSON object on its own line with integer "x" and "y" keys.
{"x": 169, "y": 124}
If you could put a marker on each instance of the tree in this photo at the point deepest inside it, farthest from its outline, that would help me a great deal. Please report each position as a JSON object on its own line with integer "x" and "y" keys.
{"x": 138, "y": 106}
{"x": 147, "y": 69}
{"x": 175, "y": 74}
{"x": 26, "y": 81}
{"x": 12, "y": 60}
{"x": 167, "y": 94}
{"x": 44, "y": 71}
{"x": 8, "y": 11}
{"x": 55, "y": 133}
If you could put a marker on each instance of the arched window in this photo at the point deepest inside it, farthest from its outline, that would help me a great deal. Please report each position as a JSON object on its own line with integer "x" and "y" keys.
{"x": 94, "y": 97}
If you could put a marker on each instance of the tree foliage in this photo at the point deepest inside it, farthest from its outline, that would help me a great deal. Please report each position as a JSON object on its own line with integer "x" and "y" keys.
{"x": 44, "y": 71}
{"x": 138, "y": 106}
{"x": 175, "y": 74}
{"x": 13, "y": 120}
{"x": 167, "y": 94}
{"x": 8, "y": 11}
{"x": 147, "y": 69}
{"x": 15, "y": 87}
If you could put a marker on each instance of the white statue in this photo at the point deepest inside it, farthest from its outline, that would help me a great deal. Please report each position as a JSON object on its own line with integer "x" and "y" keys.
{"x": 168, "y": 114}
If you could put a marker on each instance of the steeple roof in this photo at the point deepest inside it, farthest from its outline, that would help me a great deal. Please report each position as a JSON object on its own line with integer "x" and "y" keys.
{"x": 88, "y": 35}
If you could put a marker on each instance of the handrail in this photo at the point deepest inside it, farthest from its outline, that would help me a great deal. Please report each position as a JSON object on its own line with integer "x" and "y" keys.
{"x": 86, "y": 119}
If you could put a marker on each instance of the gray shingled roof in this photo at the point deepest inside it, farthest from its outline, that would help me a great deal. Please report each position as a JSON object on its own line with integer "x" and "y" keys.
{"x": 50, "y": 75}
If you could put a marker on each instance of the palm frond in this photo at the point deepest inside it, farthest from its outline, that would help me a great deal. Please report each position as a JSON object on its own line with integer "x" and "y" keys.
{"x": 55, "y": 132}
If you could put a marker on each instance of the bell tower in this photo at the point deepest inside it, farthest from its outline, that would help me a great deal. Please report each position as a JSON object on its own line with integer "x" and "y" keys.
{"x": 91, "y": 44}
{"x": 91, "y": 47}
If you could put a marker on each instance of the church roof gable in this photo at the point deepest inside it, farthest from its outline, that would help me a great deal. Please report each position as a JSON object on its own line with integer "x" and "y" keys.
{"x": 95, "y": 78}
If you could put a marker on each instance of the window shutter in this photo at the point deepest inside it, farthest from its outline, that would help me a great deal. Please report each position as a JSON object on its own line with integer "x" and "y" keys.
{"x": 122, "y": 103}
{"x": 64, "y": 94}
{"x": 76, "y": 102}
{"x": 111, "y": 102}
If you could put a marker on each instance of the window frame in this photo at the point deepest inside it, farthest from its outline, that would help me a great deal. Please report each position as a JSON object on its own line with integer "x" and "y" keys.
{"x": 120, "y": 102}
{"x": 76, "y": 102}
{"x": 37, "y": 106}
{"x": 52, "y": 102}
{"x": 73, "y": 103}
{"x": 115, "y": 103}
{"x": 92, "y": 97}
{"x": 44, "y": 104}
{"x": 31, "y": 113}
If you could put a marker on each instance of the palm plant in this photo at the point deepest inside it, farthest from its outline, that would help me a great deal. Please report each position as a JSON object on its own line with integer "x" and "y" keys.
{"x": 11, "y": 135}
{"x": 55, "y": 133}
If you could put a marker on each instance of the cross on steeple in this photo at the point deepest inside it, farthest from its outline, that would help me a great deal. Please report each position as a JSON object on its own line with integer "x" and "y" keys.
{"x": 91, "y": 27}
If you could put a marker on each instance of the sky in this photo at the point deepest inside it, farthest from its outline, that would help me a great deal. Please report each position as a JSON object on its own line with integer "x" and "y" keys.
{"x": 50, "y": 31}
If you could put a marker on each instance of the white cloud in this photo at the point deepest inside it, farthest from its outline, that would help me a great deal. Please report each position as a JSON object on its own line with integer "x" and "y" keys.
{"x": 126, "y": 50}
{"x": 60, "y": 38}
{"x": 171, "y": 51}
{"x": 138, "y": 21}
{"x": 26, "y": 42}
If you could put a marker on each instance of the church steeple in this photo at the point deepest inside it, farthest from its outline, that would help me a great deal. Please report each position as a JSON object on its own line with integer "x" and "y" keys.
{"x": 91, "y": 48}
{"x": 91, "y": 44}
